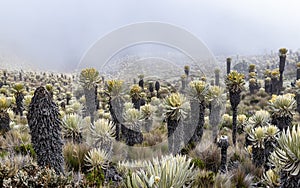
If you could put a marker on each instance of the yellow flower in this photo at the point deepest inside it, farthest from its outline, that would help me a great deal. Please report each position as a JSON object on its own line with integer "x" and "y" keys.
{"x": 272, "y": 100}
{"x": 283, "y": 51}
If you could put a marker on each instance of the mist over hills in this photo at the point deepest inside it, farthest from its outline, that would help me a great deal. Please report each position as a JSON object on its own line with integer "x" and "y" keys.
{"x": 54, "y": 35}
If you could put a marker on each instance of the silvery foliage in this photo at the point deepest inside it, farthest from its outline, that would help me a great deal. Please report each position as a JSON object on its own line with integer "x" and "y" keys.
{"x": 169, "y": 171}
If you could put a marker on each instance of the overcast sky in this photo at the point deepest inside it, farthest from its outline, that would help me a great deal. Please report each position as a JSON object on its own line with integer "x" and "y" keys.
{"x": 56, "y": 33}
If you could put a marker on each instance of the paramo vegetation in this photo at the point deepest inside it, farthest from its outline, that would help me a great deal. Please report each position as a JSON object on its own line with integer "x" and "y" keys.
{"x": 238, "y": 128}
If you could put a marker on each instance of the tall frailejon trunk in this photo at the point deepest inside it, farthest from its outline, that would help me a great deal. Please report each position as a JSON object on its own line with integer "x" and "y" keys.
{"x": 68, "y": 100}
{"x": 269, "y": 146}
{"x": 268, "y": 87}
{"x": 217, "y": 79}
{"x": 198, "y": 132}
{"x": 141, "y": 84}
{"x": 45, "y": 129}
{"x": 223, "y": 144}
{"x": 4, "y": 122}
{"x": 19, "y": 102}
{"x": 172, "y": 126}
{"x": 157, "y": 87}
{"x": 228, "y": 63}
{"x": 274, "y": 85}
{"x": 298, "y": 102}
{"x": 258, "y": 156}
{"x": 115, "y": 118}
{"x": 97, "y": 101}
{"x": 183, "y": 84}
{"x": 194, "y": 118}
{"x": 90, "y": 102}
{"x": 151, "y": 90}
{"x": 20, "y": 76}
{"x": 252, "y": 88}
{"x": 130, "y": 136}
{"x": 282, "y": 122}
{"x": 136, "y": 103}
{"x": 298, "y": 74}
{"x": 234, "y": 125}
{"x": 178, "y": 137}
{"x": 214, "y": 120}
{"x": 235, "y": 99}
{"x": 281, "y": 69}
{"x": 118, "y": 104}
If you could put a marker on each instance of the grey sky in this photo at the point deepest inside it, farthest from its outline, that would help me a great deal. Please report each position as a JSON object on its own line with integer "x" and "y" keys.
{"x": 57, "y": 33}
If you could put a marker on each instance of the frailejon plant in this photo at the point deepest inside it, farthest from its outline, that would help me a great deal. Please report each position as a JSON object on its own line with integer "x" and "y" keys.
{"x": 157, "y": 88}
{"x": 96, "y": 158}
{"x": 114, "y": 90}
{"x": 131, "y": 131}
{"x": 252, "y": 85}
{"x": 97, "y": 161}
{"x": 260, "y": 118}
{"x": 135, "y": 94}
{"x": 169, "y": 171}
{"x": 257, "y": 137}
{"x": 45, "y": 129}
{"x": 267, "y": 73}
{"x": 217, "y": 98}
{"x": 102, "y": 135}
{"x": 275, "y": 82}
{"x": 235, "y": 84}
{"x": 187, "y": 70}
{"x": 68, "y": 97}
{"x": 282, "y": 58}
{"x": 89, "y": 78}
{"x": 141, "y": 81}
{"x": 241, "y": 122}
{"x": 228, "y": 64}
{"x": 72, "y": 127}
{"x": 4, "y": 116}
{"x": 298, "y": 95}
{"x": 18, "y": 90}
{"x": 217, "y": 77}
{"x": 268, "y": 85}
{"x": 271, "y": 178}
{"x": 298, "y": 71}
{"x": 49, "y": 88}
{"x": 183, "y": 82}
{"x": 199, "y": 92}
{"x": 147, "y": 112}
{"x": 223, "y": 144}
{"x": 282, "y": 107}
{"x": 252, "y": 68}
{"x": 270, "y": 142}
{"x": 175, "y": 109}
{"x": 287, "y": 157}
